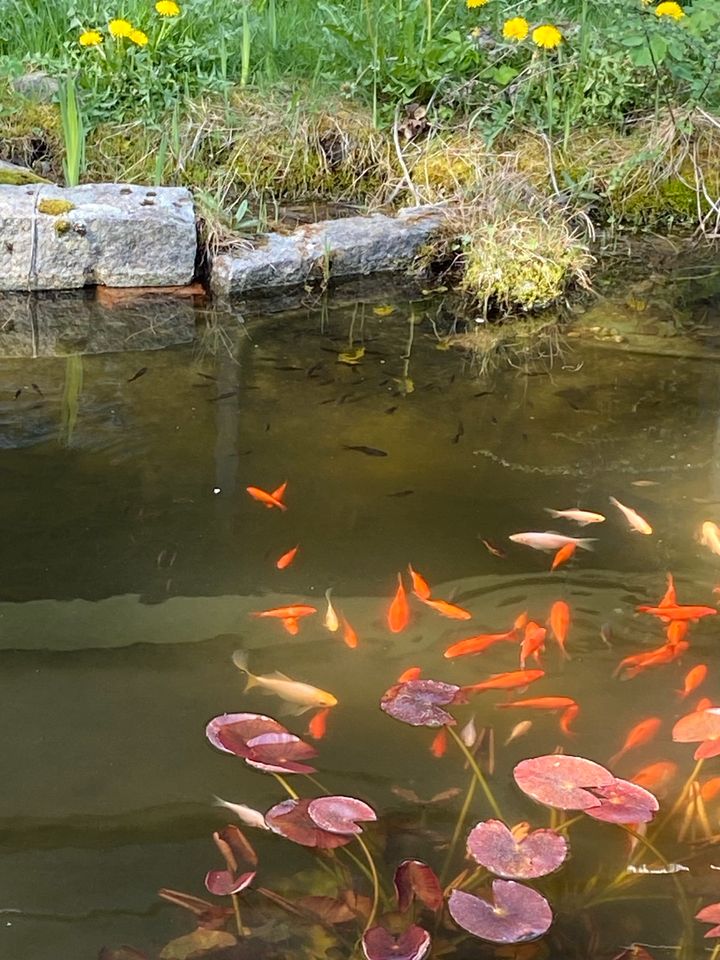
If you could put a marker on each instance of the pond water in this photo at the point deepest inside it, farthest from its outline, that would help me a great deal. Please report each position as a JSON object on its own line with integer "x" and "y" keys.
{"x": 132, "y": 558}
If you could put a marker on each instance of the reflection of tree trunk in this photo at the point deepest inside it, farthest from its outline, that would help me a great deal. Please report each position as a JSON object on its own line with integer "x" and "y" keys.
{"x": 72, "y": 391}
{"x": 227, "y": 417}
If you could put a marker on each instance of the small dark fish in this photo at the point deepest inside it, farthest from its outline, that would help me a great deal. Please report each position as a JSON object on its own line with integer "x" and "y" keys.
{"x": 412, "y": 797}
{"x": 267, "y": 428}
{"x": 311, "y": 371}
{"x": 391, "y": 410}
{"x": 17, "y": 393}
{"x": 222, "y": 396}
{"x": 139, "y": 373}
{"x": 460, "y": 433}
{"x": 400, "y": 493}
{"x": 368, "y": 451}
{"x": 37, "y": 389}
{"x": 484, "y": 393}
{"x": 524, "y": 436}
{"x": 493, "y": 420}
{"x": 206, "y": 376}
{"x": 491, "y": 548}
{"x": 288, "y": 368}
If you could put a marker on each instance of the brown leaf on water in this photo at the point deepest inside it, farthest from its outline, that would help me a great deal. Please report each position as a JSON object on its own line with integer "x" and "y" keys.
{"x": 193, "y": 945}
{"x": 327, "y": 909}
{"x": 235, "y": 847}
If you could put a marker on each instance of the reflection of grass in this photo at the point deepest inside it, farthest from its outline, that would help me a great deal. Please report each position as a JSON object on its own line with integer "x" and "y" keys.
{"x": 72, "y": 391}
{"x": 517, "y": 344}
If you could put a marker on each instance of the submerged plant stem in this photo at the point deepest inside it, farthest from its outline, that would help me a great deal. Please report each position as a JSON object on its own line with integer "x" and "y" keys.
{"x": 286, "y": 787}
{"x": 236, "y": 908}
{"x": 458, "y": 828}
{"x": 478, "y": 773}
{"x": 375, "y": 882}
{"x": 681, "y": 797}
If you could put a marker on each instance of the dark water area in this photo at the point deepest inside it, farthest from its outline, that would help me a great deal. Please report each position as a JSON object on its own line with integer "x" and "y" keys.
{"x": 132, "y": 558}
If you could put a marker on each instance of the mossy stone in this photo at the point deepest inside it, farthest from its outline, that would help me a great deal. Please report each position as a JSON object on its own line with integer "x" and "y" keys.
{"x": 55, "y": 207}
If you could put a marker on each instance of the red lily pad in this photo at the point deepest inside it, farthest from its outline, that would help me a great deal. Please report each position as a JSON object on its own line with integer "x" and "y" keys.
{"x": 279, "y": 753}
{"x": 707, "y": 749}
{"x": 710, "y": 914}
{"x": 516, "y": 913}
{"x": 519, "y": 854}
{"x": 562, "y": 782}
{"x": 223, "y": 883}
{"x": 420, "y": 702}
{"x": 413, "y": 878}
{"x": 623, "y": 802}
{"x": 231, "y": 731}
{"x": 340, "y": 814}
{"x": 291, "y": 820}
{"x": 698, "y": 726}
{"x": 412, "y": 944}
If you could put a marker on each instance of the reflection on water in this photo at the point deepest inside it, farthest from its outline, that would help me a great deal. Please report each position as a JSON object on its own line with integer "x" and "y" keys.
{"x": 132, "y": 558}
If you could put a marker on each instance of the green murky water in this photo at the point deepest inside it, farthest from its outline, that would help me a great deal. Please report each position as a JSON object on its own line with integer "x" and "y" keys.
{"x": 132, "y": 557}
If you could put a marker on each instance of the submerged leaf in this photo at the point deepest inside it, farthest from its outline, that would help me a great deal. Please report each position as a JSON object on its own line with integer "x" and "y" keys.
{"x": 196, "y": 943}
{"x": 379, "y": 944}
{"x": 420, "y": 702}
{"x": 413, "y": 878}
{"x": 513, "y": 856}
{"x": 516, "y": 913}
{"x": 560, "y": 781}
{"x": 291, "y": 820}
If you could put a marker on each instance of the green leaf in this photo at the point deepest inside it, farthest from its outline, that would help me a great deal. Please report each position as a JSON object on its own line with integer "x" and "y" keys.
{"x": 659, "y": 47}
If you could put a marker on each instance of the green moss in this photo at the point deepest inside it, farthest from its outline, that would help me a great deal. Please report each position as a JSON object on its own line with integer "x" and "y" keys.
{"x": 62, "y": 227}
{"x": 55, "y": 208}
{"x": 18, "y": 177}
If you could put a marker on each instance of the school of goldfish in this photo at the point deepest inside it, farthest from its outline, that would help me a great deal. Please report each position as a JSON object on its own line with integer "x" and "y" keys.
{"x": 528, "y": 637}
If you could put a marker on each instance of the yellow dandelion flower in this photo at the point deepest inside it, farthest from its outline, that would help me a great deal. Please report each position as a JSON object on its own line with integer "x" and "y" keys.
{"x": 168, "y": 8}
{"x": 120, "y": 28}
{"x": 138, "y": 37}
{"x": 516, "y": 28}
{"x": 670, "y": 9}
{"x": 547, "y": 36}
{"x": 475, "y": 3}
{"x": 90, "y": 38}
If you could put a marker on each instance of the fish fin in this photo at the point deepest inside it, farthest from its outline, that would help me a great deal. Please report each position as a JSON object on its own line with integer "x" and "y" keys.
{"x": 295, "y": 709}
{"x": 586, "y": 543}
{"x": 553, "y": 513}
{"x": 240, "y": 659}
{"x": 276, "y": 675}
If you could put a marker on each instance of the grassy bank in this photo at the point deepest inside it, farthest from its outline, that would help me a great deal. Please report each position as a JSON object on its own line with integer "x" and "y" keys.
{"x": 539, "y": 122}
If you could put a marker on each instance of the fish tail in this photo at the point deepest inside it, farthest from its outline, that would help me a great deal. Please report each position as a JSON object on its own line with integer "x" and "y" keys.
{"x": 219, "y": 802}
{"x": 586, "y": 543}
{"x": 553, "y": 513}
{"x": 240, "y": 659}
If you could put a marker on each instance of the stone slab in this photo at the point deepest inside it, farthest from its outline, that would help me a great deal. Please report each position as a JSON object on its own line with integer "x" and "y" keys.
{"x": 120, "y": 235}
{"x": 330, "y": 249}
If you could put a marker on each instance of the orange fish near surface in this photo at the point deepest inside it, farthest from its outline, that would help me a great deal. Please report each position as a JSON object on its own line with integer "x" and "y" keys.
{"x": 678, "y": 611}
{"x": 412, "y": 673}
{"x": 533, "y": 643}
{"x": 349, "y": 635}
{"x": 439, "y": 744}
{"x": 477, "y": 644}
{"x": 506, "y": 681}
{"x": 291, "y": 625}
{"x": 559, "y": 623}
{"x": 445, "y": 609}
{"x": 540, "y": 703}
{"x": 636, "y": 663}
{"x": 676, "y": 631}
{"x": 563, "y": 555}
{"x": 670, "y": 597}
{"x": 293, "y": 612}
{"x": 317, "y": 728}
{"x": 566, "y": 718}
{"x": 693, "y": 679}
{"x": 287, "y": 558}
{"x": 656, "y": 776}
{"x": 640, "y": 734}
{"x": 421, "y": 588}
{"x": 399, "y": 613}
{"x": 268, "y": 499}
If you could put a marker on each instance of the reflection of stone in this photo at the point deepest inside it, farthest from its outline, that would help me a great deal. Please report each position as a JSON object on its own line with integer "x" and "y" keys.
{"x": 332, "y": 249}
{"x": 53, "y": 238}
{"x": 33, "y": 326}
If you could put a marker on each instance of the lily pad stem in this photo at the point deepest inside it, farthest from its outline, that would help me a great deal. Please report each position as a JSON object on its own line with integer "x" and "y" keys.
{"x": 478, "y": 773}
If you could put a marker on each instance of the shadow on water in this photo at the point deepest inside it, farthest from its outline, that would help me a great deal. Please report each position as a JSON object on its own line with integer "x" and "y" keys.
{"x": 133, "y": 558}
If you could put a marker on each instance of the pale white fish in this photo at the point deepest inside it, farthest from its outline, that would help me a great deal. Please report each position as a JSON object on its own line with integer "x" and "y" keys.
{"x": 644, "y": 868}
{"x": 710, "y": 537}
{"x": 298, "y": 696}
{"x": 331, "y": 619}
{"x": 638, "y": 524}
{"x": 645, "y": 483}
{"x": 581, "y": 517}
{"x": 519, "y": 730}
{"x": 246, "y": 815}
{"x": 550, "y": 540}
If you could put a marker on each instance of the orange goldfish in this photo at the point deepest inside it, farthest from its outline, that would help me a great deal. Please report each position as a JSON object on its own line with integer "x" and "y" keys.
{"x": 563, "y": 555}
{"x": 656, "y": 776}
{"x": 476, "y": 644}
{"x": 291, "y": 625}
{"x": 704, "y": 703}
{"x": 398, "y": 615}
{"x": 566, "y": 718}
{"x": 421, "y": 588}
{"x": 678, "y": 611}
{"x": 294, "y": 612}
{"x": 640, "y": 734}
{"x": 559, "y": 623}
{"x": 287, "y": 558}
{"x": 670, "y": 597}
{"x": 676, "y": 631}
{"x": 412, "y": 673}
{"x": 268, "y": 499}
{"x": 349, "y": 635}
{"x": 446, "y": 609}
{"x": 520, "y": 621}
{"x": 710, "y": 789}
{"x": 693, "y": 679}
{"x": 439, "y": 744}
{"x": 635, "y": 664}
{"x": 637, "y": 523}
{"x": 317, "y": 728}
{"x": 540, "y": 703}
{"x": 506, "y": 681}
{"x": 533, "y": 643}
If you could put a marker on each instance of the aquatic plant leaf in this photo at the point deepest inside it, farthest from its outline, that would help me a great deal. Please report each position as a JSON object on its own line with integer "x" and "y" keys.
{"x": 413, "y": 878}
{"x": 516, "y": 913}
{"x": 194, "y": 944}
{"x": 635, "y": 952}
{"x": 707, "y": 749}
{"x": 519, "y": 855}
{"x": 235, "y": 847}
{"x": 279, "y": 753}
{"x": 420, "y": 702}
{"x": 560, "y": 781}
{"x": 328, "y": 909}
{"x": 223, "y": 883}
{"x": 231, "y": 731}
{"x": 697, "y": 726}
{"x": 623, "y": 802}
{"x": 412, "y": 944}
{"x": 710, "y": 914}
{"x": 121, "y": 953}
{"x": 340, "y": 814}
{"x": 291, "y": 820}
{"x": 209, "y": 915}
